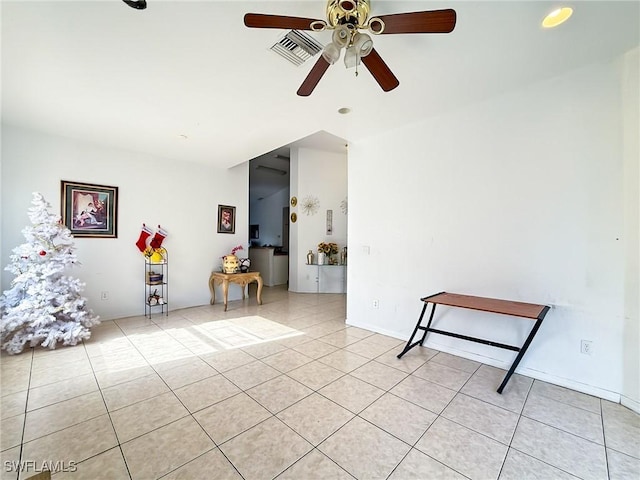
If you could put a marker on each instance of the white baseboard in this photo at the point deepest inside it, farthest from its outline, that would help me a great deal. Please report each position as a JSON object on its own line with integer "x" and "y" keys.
{"x": 376, "y": 329}
{"x": 630, "y": 403}
{"x": 529, "y": 372}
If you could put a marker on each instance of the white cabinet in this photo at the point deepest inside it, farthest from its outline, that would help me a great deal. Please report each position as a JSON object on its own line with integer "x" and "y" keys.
{"x": 273, "y": 268}
{"x": 331, "y": 278}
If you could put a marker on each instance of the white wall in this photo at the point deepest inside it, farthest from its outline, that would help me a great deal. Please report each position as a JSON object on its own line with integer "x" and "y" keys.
{"x": 268, "y": 214}
{"x": 182, "y": 197}
{"x": 323, "y": 175}
{"x": 520, "y": 198}
{"x": 630, "y": 66}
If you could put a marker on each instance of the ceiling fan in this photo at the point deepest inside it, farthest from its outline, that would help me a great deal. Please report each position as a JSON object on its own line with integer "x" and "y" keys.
{"x": 137, "y": 4}
{"x": 346, "y": 18}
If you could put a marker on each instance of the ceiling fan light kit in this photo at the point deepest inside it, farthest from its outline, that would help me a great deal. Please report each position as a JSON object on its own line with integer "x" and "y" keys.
{"x": 346, "y": 18}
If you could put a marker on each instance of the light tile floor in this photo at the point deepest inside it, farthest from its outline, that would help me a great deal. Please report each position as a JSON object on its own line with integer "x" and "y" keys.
{"x": 286, "y": 390}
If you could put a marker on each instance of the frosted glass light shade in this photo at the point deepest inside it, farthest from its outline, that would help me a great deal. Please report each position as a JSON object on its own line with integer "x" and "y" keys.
{"x": 341, "y": 36}
{"x": 351, "y": 57}
{"x": 331, "y": 53}
{"x": 363, "y": 44}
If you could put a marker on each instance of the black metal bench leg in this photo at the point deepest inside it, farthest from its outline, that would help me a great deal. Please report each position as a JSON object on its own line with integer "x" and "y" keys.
{"x": 522, "y": 351}
{"x": 426, "y": 330}
{"x": 410, "y": 345}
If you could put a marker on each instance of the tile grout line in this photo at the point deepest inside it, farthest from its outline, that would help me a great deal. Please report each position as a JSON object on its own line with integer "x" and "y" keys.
{"x": 280, "y": 373}
{"x": 242, "y": 390}
{"x": 604, "y": 441}
{"x": 439, "y": 415}
{"x": 504, "y": 460}
{"x": 24, "y": 421}
{"x": 101, "y": 392}
{"x": 106, "y": 407}
{"x": 274, "y": 415}
{"x": 357, "y": 415}
{"x": 189, "y": 413}
{"x": 388, "y": 391}
{"x": 520, "y": 417}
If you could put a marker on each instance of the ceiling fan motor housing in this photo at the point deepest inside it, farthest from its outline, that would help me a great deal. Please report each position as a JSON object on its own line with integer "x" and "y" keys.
{"x": 353, "y": 12}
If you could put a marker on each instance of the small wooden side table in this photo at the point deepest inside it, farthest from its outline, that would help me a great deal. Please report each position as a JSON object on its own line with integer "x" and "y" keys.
{"x": 241, "y": 279}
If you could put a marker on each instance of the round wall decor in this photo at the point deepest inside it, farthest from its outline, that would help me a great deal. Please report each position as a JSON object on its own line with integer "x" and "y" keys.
{"x": 344, "y": 206}
{"x": 310, "y": 204}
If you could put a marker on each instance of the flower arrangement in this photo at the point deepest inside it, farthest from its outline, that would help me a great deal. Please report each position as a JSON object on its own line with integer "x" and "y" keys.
{"x": 233, "y": 252}
{"x": 328, "y": 248}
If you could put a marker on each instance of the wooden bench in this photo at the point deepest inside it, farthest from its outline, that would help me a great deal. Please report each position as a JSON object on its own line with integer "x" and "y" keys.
{"x": 504, "y": 307}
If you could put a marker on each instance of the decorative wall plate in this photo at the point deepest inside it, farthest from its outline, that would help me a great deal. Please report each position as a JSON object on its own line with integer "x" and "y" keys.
{"x": 294, "y": 201}
{"x": 310, "y": 205}
{"x": 344, "y": 206}
{"x": 294, "y": 217}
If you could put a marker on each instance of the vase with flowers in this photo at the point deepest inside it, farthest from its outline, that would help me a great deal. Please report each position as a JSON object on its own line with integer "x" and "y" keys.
{"x": 325, "y": 250}
{"x": 230, "y": 263}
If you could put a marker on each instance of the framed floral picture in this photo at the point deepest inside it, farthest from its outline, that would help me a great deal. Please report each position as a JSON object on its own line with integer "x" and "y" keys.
{"x": 226, "y": 219}
{"x": 90, "y": 210}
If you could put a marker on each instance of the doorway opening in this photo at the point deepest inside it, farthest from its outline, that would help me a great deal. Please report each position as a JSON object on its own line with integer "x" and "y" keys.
{"x": 269, "y": 227}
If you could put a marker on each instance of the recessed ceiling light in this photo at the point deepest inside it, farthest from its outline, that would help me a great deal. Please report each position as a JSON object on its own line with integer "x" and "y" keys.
{"x": 344, "y": 110}
{"x": 558, "y": 16}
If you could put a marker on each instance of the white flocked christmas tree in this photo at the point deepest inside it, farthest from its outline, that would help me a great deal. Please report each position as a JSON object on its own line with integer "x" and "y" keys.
{"x": 43, "y": 305}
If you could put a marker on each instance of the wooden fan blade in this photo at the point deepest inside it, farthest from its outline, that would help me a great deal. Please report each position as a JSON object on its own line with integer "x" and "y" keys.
{"x": 434, "y": 21}
{"x": 260, "y": 20}
{"x": 380, "y": 71}
{"x": 314, "y": 77}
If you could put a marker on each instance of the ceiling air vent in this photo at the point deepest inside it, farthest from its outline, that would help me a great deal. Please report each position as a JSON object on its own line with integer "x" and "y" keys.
{"x": 297, "y": 47}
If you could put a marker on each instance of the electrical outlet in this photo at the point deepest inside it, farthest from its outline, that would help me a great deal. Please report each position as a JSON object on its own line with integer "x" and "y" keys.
{"x": 104, "y": 295}
{"x": 376, "y": 304}
{"x": 586, "y": 347}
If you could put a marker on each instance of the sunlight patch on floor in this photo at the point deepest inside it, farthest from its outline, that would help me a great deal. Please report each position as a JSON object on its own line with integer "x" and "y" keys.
{"x": 159, "y": 346}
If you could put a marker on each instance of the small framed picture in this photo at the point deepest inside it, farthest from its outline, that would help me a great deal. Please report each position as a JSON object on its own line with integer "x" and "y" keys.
{"x": 226, "y": 219}
{"x": 90, "y": 210}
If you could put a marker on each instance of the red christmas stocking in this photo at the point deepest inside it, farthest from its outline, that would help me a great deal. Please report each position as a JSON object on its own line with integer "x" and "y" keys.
{"x": 156, "y": 241}
{"x": 144, "y": 235}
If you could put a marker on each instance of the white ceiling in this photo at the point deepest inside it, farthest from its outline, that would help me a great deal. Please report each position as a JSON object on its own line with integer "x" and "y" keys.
{"x": 142, "y": 80}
